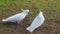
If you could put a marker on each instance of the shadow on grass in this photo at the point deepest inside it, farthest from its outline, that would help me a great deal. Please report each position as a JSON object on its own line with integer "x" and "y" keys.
{"x": 8, "y": 23}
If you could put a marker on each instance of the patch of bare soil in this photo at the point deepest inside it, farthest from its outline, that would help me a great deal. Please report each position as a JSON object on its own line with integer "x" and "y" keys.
{"x": 50, "y": 26}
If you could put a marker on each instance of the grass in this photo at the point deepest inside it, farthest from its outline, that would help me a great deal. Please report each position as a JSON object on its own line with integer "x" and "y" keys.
{"x": 50, "y": 8}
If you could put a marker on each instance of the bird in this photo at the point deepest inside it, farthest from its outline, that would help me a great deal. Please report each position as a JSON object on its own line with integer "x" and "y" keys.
{"x": 17, "y": 17}
{"x": 37, "y": 22}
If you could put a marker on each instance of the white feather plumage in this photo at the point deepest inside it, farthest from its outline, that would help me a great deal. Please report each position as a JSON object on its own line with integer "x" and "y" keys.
{"x": 38, "y": 21}
{"x": 17, "y": 18}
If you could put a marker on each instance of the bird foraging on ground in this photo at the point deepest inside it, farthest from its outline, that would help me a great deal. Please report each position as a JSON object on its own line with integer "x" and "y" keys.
{"x": 38, "y": 21}
{"x": 17, "y": 17}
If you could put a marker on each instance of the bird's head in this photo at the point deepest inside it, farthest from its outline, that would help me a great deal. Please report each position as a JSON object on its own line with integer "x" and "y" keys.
{"x": 25, "y": 10}
{"x": 41, "y": 12}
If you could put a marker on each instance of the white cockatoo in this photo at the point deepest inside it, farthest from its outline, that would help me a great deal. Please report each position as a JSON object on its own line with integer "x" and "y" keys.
{"x": 17, "y": 18}
{"x": 38, "y": 21}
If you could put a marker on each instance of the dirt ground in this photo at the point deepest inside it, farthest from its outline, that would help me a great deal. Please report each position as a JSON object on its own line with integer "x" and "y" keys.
{"x": 50, "y": 26}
